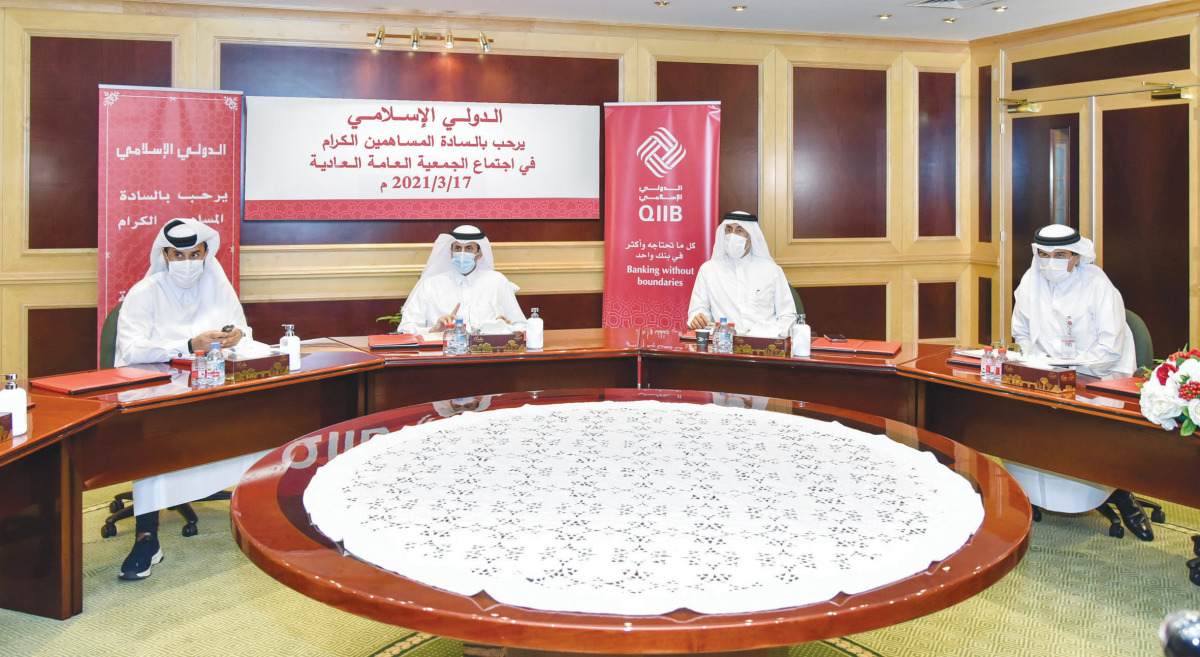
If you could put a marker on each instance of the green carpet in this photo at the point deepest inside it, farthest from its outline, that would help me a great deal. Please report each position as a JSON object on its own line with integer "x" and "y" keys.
{"x": 1078, "y": 592}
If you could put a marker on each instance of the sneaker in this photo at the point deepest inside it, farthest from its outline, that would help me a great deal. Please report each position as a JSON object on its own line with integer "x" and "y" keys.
{"x": 141, "y": 559}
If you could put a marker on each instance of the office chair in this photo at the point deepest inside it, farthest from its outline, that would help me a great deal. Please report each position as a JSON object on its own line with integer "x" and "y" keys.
{"x": 1143, "y": 348}
{"x": 796, "y": 298}
{"x": 119, "y": 510}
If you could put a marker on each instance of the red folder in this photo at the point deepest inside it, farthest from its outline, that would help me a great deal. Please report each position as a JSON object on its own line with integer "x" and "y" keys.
{"x": 865, "y": 347}
{"x": 1126, "y": 387}
{"x": 74, "y": 384}
{"x": 964, "y": 361}
{"x": 395, "y": 340}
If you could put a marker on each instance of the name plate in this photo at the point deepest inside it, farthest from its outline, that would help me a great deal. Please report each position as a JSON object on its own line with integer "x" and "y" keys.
{"x": 249, "y": 369}
{"x": 743, "y": 344}
{"x": 492, "y": 344}
{"x": 1056, "y": 381}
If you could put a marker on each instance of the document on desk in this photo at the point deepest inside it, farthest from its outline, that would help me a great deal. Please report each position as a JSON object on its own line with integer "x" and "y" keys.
{"x": 401, "y": 340}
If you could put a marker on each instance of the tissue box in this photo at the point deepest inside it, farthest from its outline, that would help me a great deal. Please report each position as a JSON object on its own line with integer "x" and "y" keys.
{"x": 249, "y": 369}
{"x": 744, "y": 344}
{"x": 5, "y": 426}
{"x": 491, "y": 344}
{"x": 1055, "y": 380}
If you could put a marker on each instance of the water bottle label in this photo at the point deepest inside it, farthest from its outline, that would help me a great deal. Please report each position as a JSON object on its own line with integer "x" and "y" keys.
{"x": 1068, "y": 348}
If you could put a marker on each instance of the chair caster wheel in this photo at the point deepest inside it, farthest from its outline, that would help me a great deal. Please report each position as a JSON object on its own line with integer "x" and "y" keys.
{"x": 1037, "y": 514}
{"x": 1116, "y": 531}
{"x": 108, "y": 530}
{"x": 1157, "y": 515}
{"x": 190, "y": 530}
{"x": 115, "y": 505}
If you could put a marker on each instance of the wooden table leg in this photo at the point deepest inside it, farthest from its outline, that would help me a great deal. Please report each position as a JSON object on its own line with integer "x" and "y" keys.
{"x": 41, "y": 534}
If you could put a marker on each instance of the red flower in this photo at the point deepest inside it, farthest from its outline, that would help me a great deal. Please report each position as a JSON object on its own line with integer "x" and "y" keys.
{"x": 1195, "y": 353}
{"x": 1165, "y": 371}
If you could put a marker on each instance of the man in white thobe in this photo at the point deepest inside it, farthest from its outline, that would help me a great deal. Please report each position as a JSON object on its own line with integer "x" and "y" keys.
{"x": 460, "y": 281}
{"x": 1064, "y": 299}
{"x": 741, "y": 282}
{"x": 183, "y": 304}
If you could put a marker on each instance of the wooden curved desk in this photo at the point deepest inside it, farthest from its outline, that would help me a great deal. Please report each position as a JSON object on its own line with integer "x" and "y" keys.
{"x": 78, "y": 443}
{"x": 272, "y": 528}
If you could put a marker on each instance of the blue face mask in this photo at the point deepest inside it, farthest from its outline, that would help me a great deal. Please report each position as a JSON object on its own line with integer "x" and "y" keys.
{"x": 464, "y": 262}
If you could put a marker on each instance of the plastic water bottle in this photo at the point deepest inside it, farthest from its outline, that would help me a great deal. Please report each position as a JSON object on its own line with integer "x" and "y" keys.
{"x": 998, "y": 365}
{"x": 216, "y": 365}
{"x": 534, "y": 331}
{"x": 985, "y": 365}
{"x": 462, "y": 340}
{"x": 199, "y": 376}
{"x": 448, "y": 345}
{"x": 723, "y": 338}
{"x": 1068, "y": 341}
{"x": 801, "y": 336}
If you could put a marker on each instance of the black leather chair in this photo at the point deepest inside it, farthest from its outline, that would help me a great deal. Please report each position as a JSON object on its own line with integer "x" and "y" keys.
{"x": 118, "y": 508}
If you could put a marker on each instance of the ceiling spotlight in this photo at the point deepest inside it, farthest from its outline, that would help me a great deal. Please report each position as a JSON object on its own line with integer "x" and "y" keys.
{"x": 883, "y": 17}
{"x": 950, "y": 20}
{"x": 484, "y": 43}
{"x": 449, "y": 39}
{"x": 1000, "y": 9}
{"x": 416, "y": 39}
{"x": 739, "y": 7}
{"x": 379, "y": 37}
{"x": 662, "y": 3}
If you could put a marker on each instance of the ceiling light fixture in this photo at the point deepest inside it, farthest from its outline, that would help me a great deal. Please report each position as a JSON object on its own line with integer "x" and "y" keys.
{"x": 417, "y": 37}
{"x": 1001, "y": 9}
{"x": 883, "y": 17}
{"x": 739, "y": 7}
{"x": 950, "y": 20}
{"x": 662, "y": 3}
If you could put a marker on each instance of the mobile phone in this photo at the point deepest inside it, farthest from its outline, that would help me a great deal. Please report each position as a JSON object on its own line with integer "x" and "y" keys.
{"x": 227, "y": 328}
{"x": 835, "y": 337}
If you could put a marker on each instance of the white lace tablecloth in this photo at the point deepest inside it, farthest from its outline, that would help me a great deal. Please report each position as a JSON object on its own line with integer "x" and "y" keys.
{"x": 642, "y": 508}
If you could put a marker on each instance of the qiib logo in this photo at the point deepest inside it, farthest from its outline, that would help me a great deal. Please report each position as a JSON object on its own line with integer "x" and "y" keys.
{"x": 661, "y": 152}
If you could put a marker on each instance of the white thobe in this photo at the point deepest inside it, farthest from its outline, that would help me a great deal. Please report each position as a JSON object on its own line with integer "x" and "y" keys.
{"x": 1104, "y": 347}
{"x": 158, "y": 318}
{"x": 1103, "y": 341}
{"x": 481, "y": 296}
{"x": 751, "y": 292}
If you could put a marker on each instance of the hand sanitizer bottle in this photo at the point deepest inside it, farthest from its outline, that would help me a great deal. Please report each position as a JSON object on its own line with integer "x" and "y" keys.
{"x": 801, "y": 338}
{"x": 290, "y": 345}
{"x": 15, "y": 402}
{"x": 533, "y": 331}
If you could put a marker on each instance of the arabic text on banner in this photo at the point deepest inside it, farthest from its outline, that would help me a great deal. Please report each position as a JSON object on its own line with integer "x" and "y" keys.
{"x": 325, "y": 158}
{"x": 164, "y": 154}
{"x": 661, "y": 163}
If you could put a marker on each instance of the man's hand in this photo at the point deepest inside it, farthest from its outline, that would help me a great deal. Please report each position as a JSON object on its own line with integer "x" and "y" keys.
{"x": 232, "y": 338}
{"x": 205, "y": 339}
{"x": 698, "y": 322}
{"x": 446, "y": 320}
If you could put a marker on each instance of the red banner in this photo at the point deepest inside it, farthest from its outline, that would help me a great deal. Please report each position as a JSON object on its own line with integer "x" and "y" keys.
{"x": 164, "y": 154}
{"x": 660, "y": 162}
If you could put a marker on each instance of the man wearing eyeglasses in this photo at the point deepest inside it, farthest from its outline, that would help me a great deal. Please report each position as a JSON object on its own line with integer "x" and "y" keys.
{"x": 1068, "y": 312}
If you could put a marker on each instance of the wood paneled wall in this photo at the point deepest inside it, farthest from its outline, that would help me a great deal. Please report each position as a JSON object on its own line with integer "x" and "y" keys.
{"x": 843, "y": 146}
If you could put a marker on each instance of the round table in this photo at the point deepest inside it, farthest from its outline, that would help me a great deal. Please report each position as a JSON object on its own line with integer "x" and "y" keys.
{"x": 272, "y": 528}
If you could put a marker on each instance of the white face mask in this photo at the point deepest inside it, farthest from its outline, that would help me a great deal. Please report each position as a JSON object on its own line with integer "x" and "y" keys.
{"x": 464, "y": 262}
{"x": 185, "y": 273}
{"x": 735, "y": 245}
{"x": 1054, "y": 269}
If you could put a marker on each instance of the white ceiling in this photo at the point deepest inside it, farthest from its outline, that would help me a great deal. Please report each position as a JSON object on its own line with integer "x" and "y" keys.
{"x": 810, "y": 16}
